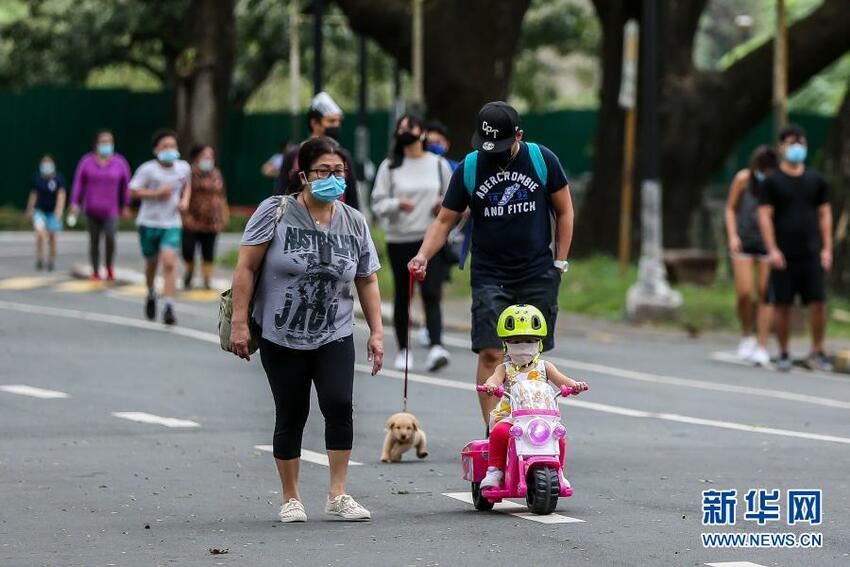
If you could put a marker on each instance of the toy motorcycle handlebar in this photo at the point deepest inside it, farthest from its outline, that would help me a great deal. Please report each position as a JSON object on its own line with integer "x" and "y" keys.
{"x": 567, "y": 391}
{"x": 500, "y": 390}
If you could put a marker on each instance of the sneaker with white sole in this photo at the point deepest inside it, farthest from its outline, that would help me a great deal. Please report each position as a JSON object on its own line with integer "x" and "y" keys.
{"x": 493, "y": 478}
{"x": 746, "y": 347}
{"x": 347, "y": 507}
{"x": 292, "y": 511}
{"x": 438, "y": 357}
{"x": 399, "y": 359}
{"x": 760, "y": 356}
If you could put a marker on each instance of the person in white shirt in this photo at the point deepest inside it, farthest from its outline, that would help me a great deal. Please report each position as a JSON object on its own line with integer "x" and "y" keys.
{"x": 164, "y": 186}
{"x": 409, "y": 188}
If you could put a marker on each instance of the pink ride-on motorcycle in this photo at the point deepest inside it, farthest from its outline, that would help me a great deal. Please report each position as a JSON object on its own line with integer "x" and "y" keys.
{"x": 534, "y": 465}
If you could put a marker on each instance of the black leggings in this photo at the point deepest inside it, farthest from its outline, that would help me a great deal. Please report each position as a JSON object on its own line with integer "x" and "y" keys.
{"x": 290, "y": 373}
{"x": 432, "y": 291}
{"x": 192, "y": 239}
{"x": 108, "y": 228}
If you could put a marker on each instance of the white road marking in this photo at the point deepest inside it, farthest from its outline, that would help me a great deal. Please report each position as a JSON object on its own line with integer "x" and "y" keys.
{"x": 518, "y": 510}
{"x": 309, "y": 456}
{"x": 25, "y": 390}
{"x": 687, "y": 382}
{"x": 212, "y": 338}
{"x": 731, "y": 358}
{"x": 595, "y": 406}
{"x": 143, "y": 417}
{"x": 735, "y": 564}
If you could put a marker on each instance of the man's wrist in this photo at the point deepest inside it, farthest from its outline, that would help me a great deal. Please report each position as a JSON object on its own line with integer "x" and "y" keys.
{"x": 562, "y": 266}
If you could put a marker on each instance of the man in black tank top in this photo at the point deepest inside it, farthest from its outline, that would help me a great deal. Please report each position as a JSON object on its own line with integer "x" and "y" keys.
{"x": 796, "y": 222}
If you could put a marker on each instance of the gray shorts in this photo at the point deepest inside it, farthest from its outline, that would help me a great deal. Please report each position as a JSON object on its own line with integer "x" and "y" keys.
{"x": 489, "y": 300}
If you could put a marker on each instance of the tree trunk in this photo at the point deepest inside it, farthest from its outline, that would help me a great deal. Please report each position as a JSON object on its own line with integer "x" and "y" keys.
{"x": 467, "y": 62}
{"x": 836, "y": 166}
{"x": 702, "y": 114}
{"x": 203, "y": 71}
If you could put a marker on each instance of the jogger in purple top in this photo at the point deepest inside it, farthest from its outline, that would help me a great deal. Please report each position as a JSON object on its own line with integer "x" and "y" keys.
{"x": 101, "y": 186}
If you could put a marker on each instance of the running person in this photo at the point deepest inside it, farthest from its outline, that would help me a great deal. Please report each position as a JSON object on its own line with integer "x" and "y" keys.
{"x": 206, "y": 216}
{"x": 513, "y": 194}
{"x": 164, "y": 186}
{"x": 408, "y": 190}
{"x": 101, "y": 188}
{"x": 748, "y": 250}
{"x": 44, "y": 207}
{"x": 796, "y": 223}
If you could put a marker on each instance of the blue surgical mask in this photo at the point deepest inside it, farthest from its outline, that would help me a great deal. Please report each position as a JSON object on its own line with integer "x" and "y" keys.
{"x": 795, "y": 153}
{"x": 168, "y": 156}
{"x": 328, "y": 190}
{"x": 105, "y": 149}
{"x": 206, "y": 165}
{"x": 438, "y": 149}
{"x": 47, "y": 168}
{"x": 759, "y": 175}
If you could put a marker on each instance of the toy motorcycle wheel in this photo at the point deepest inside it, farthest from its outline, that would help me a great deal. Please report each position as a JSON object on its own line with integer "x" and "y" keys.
{"x": 543, "y": 490}
{"x": 479, "y": 501}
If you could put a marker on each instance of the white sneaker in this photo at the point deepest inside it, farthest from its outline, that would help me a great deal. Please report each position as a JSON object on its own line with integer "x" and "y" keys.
{"x": 399, "y": 359}
{"x": 347, "y": 507}
{"x": 292, "y": 511}
{"x": 493, "y": 478}
{"x": 746, "y": 347}
{"x": 423, "y": 337}
{"x": 438, "y": 357}
{"x": 760, "y": 356}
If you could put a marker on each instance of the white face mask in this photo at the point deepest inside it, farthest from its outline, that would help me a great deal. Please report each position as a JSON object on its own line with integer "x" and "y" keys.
{"x": 522, "y": 353}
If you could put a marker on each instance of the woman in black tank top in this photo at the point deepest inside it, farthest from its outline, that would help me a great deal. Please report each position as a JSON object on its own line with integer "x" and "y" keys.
{"x": 747, "y": 249}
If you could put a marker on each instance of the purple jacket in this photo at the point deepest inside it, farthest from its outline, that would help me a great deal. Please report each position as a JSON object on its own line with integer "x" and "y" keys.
{"x": 102, "y": 189}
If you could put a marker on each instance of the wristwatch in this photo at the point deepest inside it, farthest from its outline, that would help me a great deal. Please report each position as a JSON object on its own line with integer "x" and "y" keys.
{"x": 562, "y": 266}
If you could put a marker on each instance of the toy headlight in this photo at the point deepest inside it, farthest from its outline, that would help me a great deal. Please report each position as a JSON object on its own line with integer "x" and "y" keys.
{"x": 538, "y": 431}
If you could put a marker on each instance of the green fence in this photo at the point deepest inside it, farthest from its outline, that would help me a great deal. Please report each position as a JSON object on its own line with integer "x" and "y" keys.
{"x": 62, "y": 121}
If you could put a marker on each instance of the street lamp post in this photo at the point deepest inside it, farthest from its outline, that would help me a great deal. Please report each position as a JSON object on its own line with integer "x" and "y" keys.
{"x": 651, "y": 298}
{"x": 318, "y": 43}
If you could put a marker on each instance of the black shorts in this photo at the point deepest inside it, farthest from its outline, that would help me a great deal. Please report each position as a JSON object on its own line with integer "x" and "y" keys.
{"x": 489, "y": 300}
{"x": 801, "y": 276}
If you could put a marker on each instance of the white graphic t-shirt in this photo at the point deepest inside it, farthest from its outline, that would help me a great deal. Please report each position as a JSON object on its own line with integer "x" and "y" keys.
{"x": 151, "y": 175}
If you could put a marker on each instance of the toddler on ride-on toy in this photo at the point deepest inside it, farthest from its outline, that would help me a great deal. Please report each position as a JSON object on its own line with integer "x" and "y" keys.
{"x": 523, "y": 375}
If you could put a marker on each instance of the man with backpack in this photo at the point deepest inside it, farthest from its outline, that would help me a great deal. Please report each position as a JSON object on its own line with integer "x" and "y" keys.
{"x": 520, "y": 234}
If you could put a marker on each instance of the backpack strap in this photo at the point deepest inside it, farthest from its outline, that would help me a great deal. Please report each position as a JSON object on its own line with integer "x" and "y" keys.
{"x": 538, "y": 162}
{"x": 470, "y": 171}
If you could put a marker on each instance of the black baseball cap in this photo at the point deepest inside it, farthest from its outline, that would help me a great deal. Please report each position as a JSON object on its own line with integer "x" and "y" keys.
{"x": 497, "y": 125}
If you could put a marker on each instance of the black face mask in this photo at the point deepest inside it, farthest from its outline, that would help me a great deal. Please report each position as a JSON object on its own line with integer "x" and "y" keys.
{"x": 332, "y": 132}
{"x": 407, "y": 138}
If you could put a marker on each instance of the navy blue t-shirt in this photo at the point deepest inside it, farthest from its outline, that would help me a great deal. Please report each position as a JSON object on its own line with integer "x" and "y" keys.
{"x": 46, "y": 189}
{"x": 511, "y": 223}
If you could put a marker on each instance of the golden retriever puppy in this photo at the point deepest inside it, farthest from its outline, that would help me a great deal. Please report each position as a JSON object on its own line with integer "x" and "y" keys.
{"x": 403, "y": 432}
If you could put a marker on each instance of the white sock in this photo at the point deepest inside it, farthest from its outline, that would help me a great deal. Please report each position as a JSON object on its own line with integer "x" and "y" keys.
{"x": 168, "y": 303}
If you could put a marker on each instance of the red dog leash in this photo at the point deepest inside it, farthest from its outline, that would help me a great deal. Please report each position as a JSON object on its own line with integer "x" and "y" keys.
{"x": 410, "y": 279}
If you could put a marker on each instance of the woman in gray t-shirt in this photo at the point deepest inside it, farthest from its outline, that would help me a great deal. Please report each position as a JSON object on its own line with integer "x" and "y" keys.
{"x": 304, "y": 250}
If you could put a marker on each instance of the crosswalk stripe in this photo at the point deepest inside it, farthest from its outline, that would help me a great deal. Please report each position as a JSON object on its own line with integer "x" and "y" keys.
{"x": 143, "y": 417}
{"x": 735, "y": 564}
{"x": 24, "y": 283}
{"x": 24, "y": 390}
{"x": 79, "y": 286}
{"x": 309, "y": 456}
{"x": 517, "y": 510}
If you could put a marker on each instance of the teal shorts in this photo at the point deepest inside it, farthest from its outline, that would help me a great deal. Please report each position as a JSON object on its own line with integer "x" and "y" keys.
{"x": 155, "y": 239}
{"x": 47, "y": 221}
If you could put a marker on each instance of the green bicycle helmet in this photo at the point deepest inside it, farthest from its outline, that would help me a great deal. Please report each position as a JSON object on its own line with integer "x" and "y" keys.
{"x": 521, "y": 321}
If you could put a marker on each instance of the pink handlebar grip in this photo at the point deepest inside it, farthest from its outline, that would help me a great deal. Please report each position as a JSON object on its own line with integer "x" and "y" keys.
{"x": 566, "y": 391}
{"x": 500, "y": 390}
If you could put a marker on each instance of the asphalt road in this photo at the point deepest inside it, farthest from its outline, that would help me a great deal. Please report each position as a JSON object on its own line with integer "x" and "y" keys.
{"x": 663, "y": 421}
